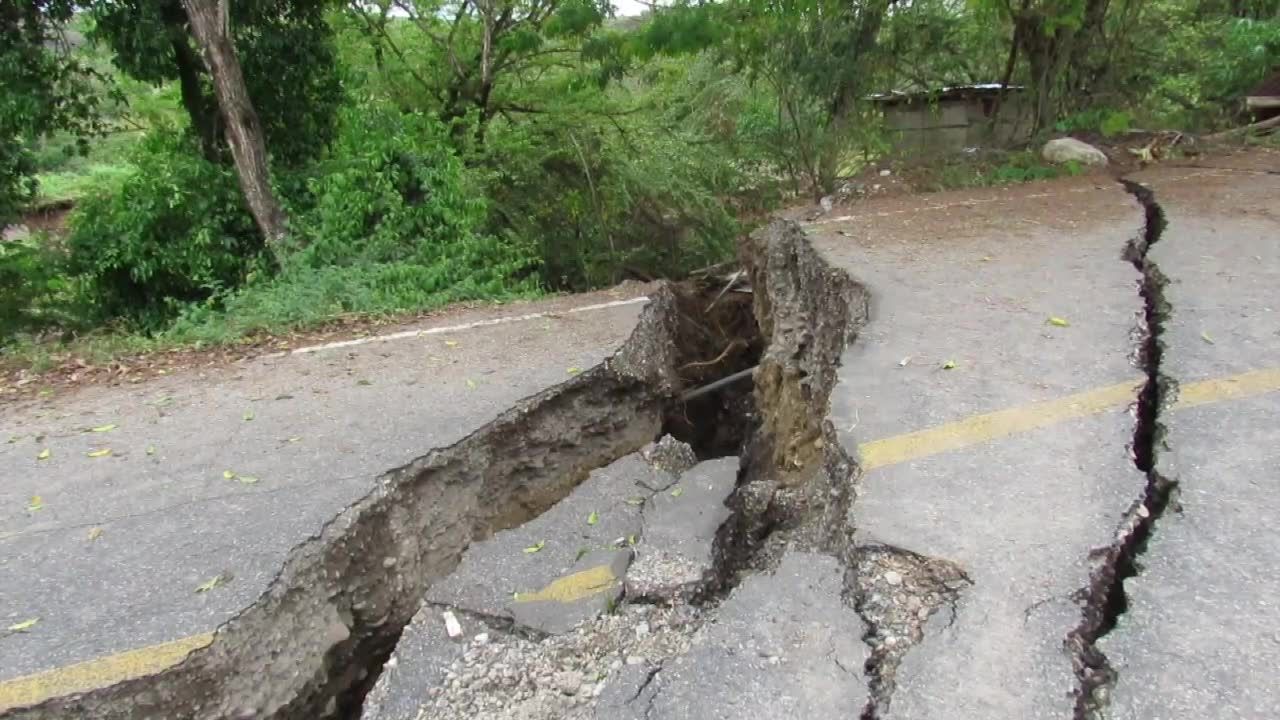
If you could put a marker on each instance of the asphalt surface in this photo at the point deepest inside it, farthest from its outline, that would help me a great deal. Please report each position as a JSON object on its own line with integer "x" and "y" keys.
{"x": 963, "y": 303}
{"x": 990, "y": 400}
{"x": 985, "y": 397}
{"x": 1201, "y": 637}
{"x": 110, "y": 555}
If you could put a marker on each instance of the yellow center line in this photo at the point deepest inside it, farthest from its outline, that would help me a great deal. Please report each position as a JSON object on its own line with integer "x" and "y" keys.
{"x": 978, "y": 429}
{"x": 111, "y": 669}
{"x": 982, "y": 428}
{"x": 98, "y": 672}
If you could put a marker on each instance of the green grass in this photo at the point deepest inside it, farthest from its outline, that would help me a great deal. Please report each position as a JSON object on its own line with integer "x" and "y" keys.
{"x": 992, "y": 169}
{"x": 66, "y": 176}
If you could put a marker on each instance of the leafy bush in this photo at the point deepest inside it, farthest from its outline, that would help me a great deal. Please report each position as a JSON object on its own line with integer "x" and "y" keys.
{"x": 1106, "y": 121}
{"x": 32, "y": 287}
{"x": 603, "y": 207}
{"x": 390, "y": 223}
{"x": 174, "y": 232}
{"x": 1200, "y": 67}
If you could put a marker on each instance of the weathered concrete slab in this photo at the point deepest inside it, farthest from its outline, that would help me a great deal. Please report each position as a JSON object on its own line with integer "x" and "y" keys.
{"x": 984, "y": 302}
{"x": 783, "y": 645}
{"x": 566, "y": 565}
{"x": 315, "y": 430}
{"x": 676, "y": 553}
{"x": 585, "y": 544}
{"x": 1199, "y": 637}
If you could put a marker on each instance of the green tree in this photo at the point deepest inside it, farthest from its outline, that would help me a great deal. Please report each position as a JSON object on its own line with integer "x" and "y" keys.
{"x": 286, "y": 51}
{"x": 46, "y": 91}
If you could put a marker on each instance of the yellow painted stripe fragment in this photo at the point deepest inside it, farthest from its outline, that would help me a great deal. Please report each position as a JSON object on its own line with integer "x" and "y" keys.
{"x": 1233, "y": 387}
{"x": 990, "y": 426}
{"x": 105, "y": 671}
{"x": 97, "y": 673}
{"x": 571, "y": 588}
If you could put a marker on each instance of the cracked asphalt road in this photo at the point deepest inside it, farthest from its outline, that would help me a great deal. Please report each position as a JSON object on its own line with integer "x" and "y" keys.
{"x": 1201, "y": 636}
{"x": 975, "y": 288}
{"x": 315, "y": 430}
{"x": 997, "y": 437}
{"x": 990, "y": 399}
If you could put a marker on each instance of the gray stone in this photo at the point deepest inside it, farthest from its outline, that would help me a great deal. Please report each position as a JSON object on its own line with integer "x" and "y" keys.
{"x": 1069, "y": 150}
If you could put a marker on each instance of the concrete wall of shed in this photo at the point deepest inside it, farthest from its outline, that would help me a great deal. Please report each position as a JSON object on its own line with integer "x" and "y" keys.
{"x": 946, "y": 126}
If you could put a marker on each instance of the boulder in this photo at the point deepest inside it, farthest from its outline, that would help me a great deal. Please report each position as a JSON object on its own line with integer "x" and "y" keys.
{"x": 1065, "y": 150}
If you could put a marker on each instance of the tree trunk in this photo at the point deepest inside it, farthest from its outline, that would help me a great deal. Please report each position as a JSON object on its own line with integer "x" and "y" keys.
{"x": 243, "y": 129}
{"x": 201, "y": 109}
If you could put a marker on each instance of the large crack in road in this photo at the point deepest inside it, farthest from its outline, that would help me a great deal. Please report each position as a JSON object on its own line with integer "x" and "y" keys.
{"x": 1104, "y": 600}
{"x": 313, "y": 645}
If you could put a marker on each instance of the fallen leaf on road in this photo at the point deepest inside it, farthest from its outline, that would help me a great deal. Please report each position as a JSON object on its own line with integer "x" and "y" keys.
{"x": 45, "y": 454}
{"x": 582, "y": 551}
{"x": 247, "y": 479}
{"x": 1058, "y": 322}
{"x": 574, "y": 370}
{"x": 471, "y": 384}
{"x": 949, "y": 365}
{"x": 635, "y": 500}
{"x": 94, "y": 534}
{"x": 631, "y": 540}
{"x": 363, "y": 382}
{"x": 535, "y": 548}
{"x": 228, "y": 475}
{"x": 14, "y": 438}
{"x": 248, "y": 415}
{"x": 451, "y": 343}
{"x": 677, "y": 492}
{"x": 103, "y": 428}
{"x": 593, "y": 518}
{"x": 295, "y": 438}
{"x": 24, "y": 626}
{"x": 36, "y": 503}
{"x": 151, "y": 449}
{"x": 212, "y": 583}
{"x": 1205, "y": 337}
{"x": 104, "y": 452}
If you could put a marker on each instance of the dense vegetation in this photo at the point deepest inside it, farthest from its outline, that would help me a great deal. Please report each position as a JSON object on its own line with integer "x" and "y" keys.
{"x": 259, "y": 165}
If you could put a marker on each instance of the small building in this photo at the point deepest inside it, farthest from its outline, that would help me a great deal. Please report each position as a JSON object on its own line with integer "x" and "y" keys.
{"x": 951, "y": 119}
{"x": 1263, "y": 101}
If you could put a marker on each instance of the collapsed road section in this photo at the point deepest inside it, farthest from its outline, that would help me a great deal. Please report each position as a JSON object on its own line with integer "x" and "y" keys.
{"x": 431, "y": 534}
{"x": 897, "y": 527}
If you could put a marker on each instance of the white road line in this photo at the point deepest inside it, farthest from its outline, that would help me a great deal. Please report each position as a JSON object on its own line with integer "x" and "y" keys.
{"x": 456, "y": 328}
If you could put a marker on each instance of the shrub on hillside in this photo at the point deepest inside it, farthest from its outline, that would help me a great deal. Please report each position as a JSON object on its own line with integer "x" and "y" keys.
{"x": 172, "y": 233}
{"x": 389, "y": 221}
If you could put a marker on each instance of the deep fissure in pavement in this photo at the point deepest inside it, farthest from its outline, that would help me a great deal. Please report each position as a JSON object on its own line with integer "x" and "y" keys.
{"x": 716, "y": 336}
{"x": 1104, "y": 600}
{"x": 313, "y": 645}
